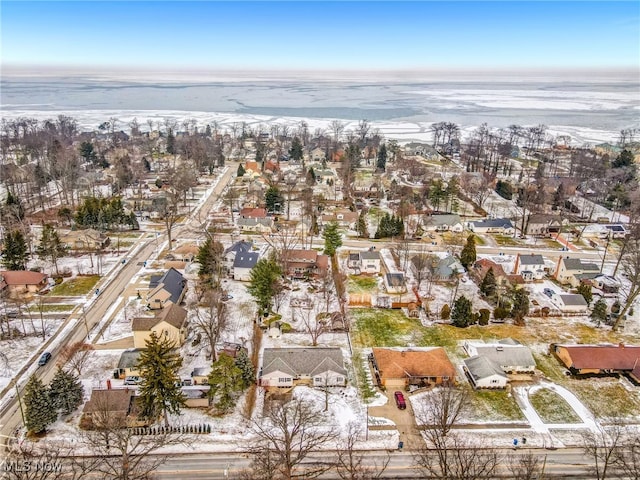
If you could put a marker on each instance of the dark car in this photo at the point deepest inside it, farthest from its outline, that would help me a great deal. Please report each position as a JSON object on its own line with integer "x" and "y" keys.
{"x": 44, "y": 359}
{"x": 400, "y": 402}
{"x": 548, "y": 292}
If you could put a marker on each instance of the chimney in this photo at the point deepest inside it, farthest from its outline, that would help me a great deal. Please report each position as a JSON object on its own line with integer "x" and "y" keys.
{"x": 403, "y": 353}
{"x": 621, "y": 345}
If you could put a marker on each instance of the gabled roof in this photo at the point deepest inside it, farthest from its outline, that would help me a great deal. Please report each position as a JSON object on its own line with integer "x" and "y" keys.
{"x": 251, "y": 222}
{"x": 23, "y": 277}
{"x": 507, "y": 355}
{"x": 129, "y": 358}
{"x": 480, "y": 367}
{"x": 370, "y": 255}
{"x": 439, "y": 220}
{"x": 302, "y": 361}
{"x": 111, "y": 400}
{"x": 427, "y": 362}
{"x": 493, "y": 223}
{"x": 603, "y": 357}
{"x": 544, "y": 218}
{"x": 174, "y": 315}
{"x": 172, "y": 281}
{"x": 239, "y": 246}
{"x": 578, "y": 264}
{"x": 246, "y": 260}
{"x": 531, "y": 259}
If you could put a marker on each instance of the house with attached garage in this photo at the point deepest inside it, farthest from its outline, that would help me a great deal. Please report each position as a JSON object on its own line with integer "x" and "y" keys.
{"x": 171, "y": 323}
{"x": 243, "y": 264}
{"x": 510, "y": 355}
{"x": 574, "y": 271}
{"x": 315, "y": 366}
{"x": 531, "y": 267}
{"x": 442, "y": 223}
{"x": 20, "y": 282}
{"x": 165, "y": 289}
{"x": 503, "y": 226}
{"x": 398, "y": 368}
{"x": 484, "y": 373}
{"x": 544, "y": 225}
{"x": 302, "y": 264}
{"x": 600, "y": 359}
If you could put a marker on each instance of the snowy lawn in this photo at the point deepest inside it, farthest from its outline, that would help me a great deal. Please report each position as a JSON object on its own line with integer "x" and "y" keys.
{"x": 382, "y": 328}
{"x": 551, "y": 407}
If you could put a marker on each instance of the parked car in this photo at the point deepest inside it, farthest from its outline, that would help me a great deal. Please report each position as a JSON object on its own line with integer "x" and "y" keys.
{"x": 548, "y": 292}
{"x": 44, "y": 359}
{"x": 132, "y": 380}
{"x": 400, "y": 402}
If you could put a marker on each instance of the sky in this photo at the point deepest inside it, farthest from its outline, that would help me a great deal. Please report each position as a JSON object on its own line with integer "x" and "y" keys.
{"x": 299, "y": 35}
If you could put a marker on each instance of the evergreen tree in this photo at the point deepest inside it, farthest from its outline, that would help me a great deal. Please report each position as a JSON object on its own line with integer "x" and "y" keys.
{"x": 445, "y": 312}
{"x": 520, "y": 307}
{"x": 311, "y": 176}
{"x": 225, "y": 380}
{"x": 210, "y": 259}
{"x": 13, "y": 207}
{"x": 488, "y": 284}
{"x": 363, "y": 231}
{"x": 295, "y": 152}
{"x": 171, "y": 142}
{"x": 468, "y": 254}
{"x": 38, "y": 413}
{"x": 599, "y": 312}
{"x": 51, "y": 247}
{"x": 332, "y": 238}
{"x": 88, "y": 152}
{"x": 263, "y": 282}
{"x": 462, "y": 313}
{"x": 241, "y": 171}
{"x": 248, "y": 372}
{"x": 14, "y": 252}
{"x": 273, "y": 199}
{"x": 382, "y": 158}
{"x": 160, "y": 390}
{"x": 65, "y": 392}
{"x": 584, "y": 289}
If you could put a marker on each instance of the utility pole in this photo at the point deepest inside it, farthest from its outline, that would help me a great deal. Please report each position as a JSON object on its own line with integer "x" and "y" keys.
{"x": 606, "y": 247}
{"x": 24, "y": 423}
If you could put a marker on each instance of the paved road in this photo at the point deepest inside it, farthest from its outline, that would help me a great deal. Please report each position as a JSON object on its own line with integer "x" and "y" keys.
{"x": 76, "y": 328}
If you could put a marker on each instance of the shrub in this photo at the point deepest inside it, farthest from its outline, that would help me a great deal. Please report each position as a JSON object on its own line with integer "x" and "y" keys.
{"x": 445, "y": 313}
{"x": 483, "y": 316}
{"x": 500, "y": 313}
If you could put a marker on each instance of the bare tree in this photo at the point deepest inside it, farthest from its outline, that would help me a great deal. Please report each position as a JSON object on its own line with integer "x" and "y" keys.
{"x": 627, "y": 458}
{"x": 526, "y": 466}
{"x": 169, "y": 212}
{"x": 600, "y": 445}
{"x": 286, "y": 437}
{"x": 28, "y": 460}
{"x": 76, "y": 355}
{"x": 282, "y": 242}
{"x": 349, "y": 461}
{"x": 211, "y": 319}
{"x": 631, "y": 269}
{"x": 314, "y": 321}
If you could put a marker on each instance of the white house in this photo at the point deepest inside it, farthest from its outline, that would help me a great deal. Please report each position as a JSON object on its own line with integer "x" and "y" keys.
{"x": 370, "y": 262}
{"x": 229, "y": 255}
{"x": 492, "y": 225}
{"x": 255, "y": 225}
{"x": 442, "y": 223}
{"x": 570, "y": 302}
{"x": 510, "y": 355}
{"x": 530, "y": 266}
{"x": 484, "y": 373}
{"x": 316, "y": 366}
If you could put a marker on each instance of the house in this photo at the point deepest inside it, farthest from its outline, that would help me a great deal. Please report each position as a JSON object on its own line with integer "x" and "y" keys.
{"x": 570, "y": 303}
{"x": 128, "y": 364}
{"x": 508, "y": 354}
{"x": 446, "y": 269}
{"x": 544, "y": 225}
{"x": 200, "y": 375}
{"x": 317, "y": 155}
{"x": 167, "y": 288}
{"x": 397, "y": 368}
{"x": 395, "y": 283}
{"x": 353, "y": 261}
{"x": 482, "y": 266}
{"x": 255, "y": 225}
{"x": 344, "y": 219}
{"x": 531, "y": 267}
{"x": 229, "y": 255}
{"x": 421, "y": 149}
{"x": 250, "y": 212}
{"x": 243, "y": 264}
{"x": 616, "y": 230}
{"x": 20, "y": 282}
{"x": 171, "y": 322}
{"x": 85, "y": 240}
{"x": 287, "y": 367}
{"x": 484, "y": 372}
{"x": 114, "y": 407}
{"x": 600, "y": 359}
{"x": 369, "y": 262}
{"x": 442, "y": 223}
{"x": 503, "y": 226}
{"x": 301, "y": 264}
{"x": 184, "y": 253}
{"x": 573, "y": 271}
{"x": 606, "y": 284}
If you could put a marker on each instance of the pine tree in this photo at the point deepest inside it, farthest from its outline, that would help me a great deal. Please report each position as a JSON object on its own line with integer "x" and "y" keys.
{"x": 225, "y": 380}
{"x": 599, "y": 312}
{"x": 584, "y": 289}
{"x": 160, "y": 391}
{"x": 248, "y": 372}
{"x": 295, "y": 152}
{"x": 273, "y": 199}
{"x": 263, "y": 282}
{"x": 520, "y": 307}
{"x": 462, "y": 313}
{"x": 15, "y": 252}
{"x": 38, "y": 411}
{"x": 332, "y": 238}
{"x": 488, "y": 284}
{"x": 51, "y": 247}
{"x": 14, "y": 207}
{"x": 171, "y": 142}
{"x": 210, "y": 259}
{"x": 363, "y": 231}
{"x": 445, "y": 312}
{"x": 382, "y": 158}
{"x": 65, "y": 392}
{"x": 468, "y": 254}
{"x": 241, "y": 171}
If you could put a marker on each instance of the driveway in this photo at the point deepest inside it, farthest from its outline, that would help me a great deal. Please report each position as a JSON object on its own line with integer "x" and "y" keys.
{"x": 404, "y": 419}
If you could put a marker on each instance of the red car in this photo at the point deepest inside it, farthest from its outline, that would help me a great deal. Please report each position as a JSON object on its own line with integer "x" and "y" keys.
{"x": 400, "y": 402}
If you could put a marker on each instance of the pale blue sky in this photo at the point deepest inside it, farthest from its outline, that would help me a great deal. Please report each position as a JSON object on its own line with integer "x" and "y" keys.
{"x": 322, "y": 35}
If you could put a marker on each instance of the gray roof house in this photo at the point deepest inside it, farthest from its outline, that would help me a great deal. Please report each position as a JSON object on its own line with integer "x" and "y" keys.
{"x": 484, "y": 372}
{"x": 530, "y": 266}
{"x": 447, "y": 269}
{"x": 128, "y": 363}
{"x": 492, "y": 225}
{"x": 169, "y": 287}
{"x": 243, "y": 264}
{"x": 510, "y": 355}
{"x": 573, "y": 271}
{"x": 443, "y": 223}
{"x": 570, "y": 303}
{"x": 263, "y": 225}
{"x": 316, "y": 366}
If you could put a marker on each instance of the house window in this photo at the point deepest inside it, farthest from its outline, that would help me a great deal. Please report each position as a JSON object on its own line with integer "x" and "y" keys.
{"x": 339, "y": 379}
{"x": 284, "y": 380}
{"x": 445, "y": 379}
{"x": 318, "y": 379}
{"x": 494, "y": 381}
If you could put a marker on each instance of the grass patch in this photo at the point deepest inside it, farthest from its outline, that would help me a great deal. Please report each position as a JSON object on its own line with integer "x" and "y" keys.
{"x": 51, "y": 307}
{"x": 606, "y": 397}
{"x": 452, "y": 238}
{"x": 552, "y": 408}
{"x": 494, "y": 405}
{"x": 550, "y": 243}
{"x": 75, "y": 287}
{"x": 362, "y": 284}
{"x": 381, "y": 328}
{"x": 364, "y": 384}
{"x": 550, "y": 368}
{"x": 505, "y": 241}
